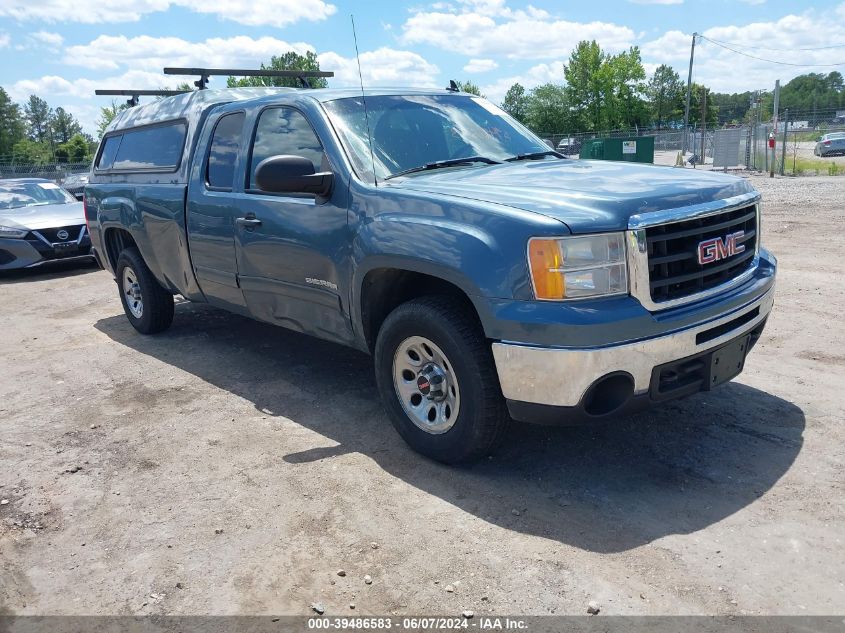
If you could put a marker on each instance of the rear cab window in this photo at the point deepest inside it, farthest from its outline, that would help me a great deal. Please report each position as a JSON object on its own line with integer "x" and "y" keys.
{"x": 110, "y": 145}
{"x": 153, "y": 148}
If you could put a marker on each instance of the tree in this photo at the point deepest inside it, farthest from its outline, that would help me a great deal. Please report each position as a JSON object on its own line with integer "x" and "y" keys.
{"x": 468, "y": 86}
{"x": 733, "y": 108}
{"x": 624, "y": 88}
{"x": 38, "y": 115}
{"x": 605, "y": 90}
{"x": 64, "y": 126}
{"x": 289, "y": 61}
{"x": 516, "y": 102}
{"x": 697, "y": 103}
{"x": 585, "y": 88}
{"x": 665, "y": 92}
{"x": 548, "y": 110}
{"x": 183, "y": 86}
{"x": 12, "y": 127}
{"x": 32, "y": 152}
{"x": 76, "y": 150}
{"x": 107, "y": 115}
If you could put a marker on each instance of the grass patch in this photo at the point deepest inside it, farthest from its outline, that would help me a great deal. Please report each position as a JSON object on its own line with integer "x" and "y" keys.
{"x": 813, "y": 167}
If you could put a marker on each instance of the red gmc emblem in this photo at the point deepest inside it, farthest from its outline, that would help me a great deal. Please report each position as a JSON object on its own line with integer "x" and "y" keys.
{"x": 717, "y": 248}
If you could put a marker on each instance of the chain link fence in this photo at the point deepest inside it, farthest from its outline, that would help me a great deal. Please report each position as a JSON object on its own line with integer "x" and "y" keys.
{"x": 664, "y": 140}
{"x": 794, "y": 147}
{"x": 51, "y": 171}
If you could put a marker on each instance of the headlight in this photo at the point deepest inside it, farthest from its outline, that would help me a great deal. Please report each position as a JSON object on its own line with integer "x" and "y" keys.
{"x": 8, "y": 231}
{"x": 579, "y": 266}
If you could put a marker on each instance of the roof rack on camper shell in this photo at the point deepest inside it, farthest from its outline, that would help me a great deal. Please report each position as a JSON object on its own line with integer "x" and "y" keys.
{"x": 205, "y": 73}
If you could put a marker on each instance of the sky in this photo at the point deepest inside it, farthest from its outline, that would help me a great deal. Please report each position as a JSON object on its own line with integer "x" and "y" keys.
{"x": 63, "y": 50}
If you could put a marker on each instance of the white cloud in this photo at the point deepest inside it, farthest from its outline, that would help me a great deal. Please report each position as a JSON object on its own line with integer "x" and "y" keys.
{"x": 264, "y": 13}
{"x": 671, "y": 46}
{"x": 780, "y": 40}
{"x": 4, "y": 40}
{"x": 51, "y": 86}
{"x": 52, "y": 41}
{"x": 533, "y": 77}
{"x": 145, "y": 52}
{"x": 480, "y": 66}
{"x": 490, "y": 28}
{"x": 384, "y": 67}
{"x": 141, "y": 59}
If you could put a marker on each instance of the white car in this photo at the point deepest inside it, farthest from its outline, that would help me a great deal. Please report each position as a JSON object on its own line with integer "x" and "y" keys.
{"x": 39, "y": 223}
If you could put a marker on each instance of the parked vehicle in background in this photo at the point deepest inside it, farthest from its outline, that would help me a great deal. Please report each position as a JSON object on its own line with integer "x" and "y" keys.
{"x": 832, "y": 144}
{"x": 75, "y": 184}
{"x": 487, "y": 274}
{"x": 40, "y": 223}
{"x": 569, "y": 146}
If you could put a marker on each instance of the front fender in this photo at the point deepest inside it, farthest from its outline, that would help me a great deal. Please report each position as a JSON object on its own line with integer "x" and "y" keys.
{"x": 480, "y": 250}
{"x": 403, "y": 258}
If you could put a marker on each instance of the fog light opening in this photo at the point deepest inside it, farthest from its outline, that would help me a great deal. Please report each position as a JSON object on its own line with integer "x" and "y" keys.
{"x": 608, "y": 394}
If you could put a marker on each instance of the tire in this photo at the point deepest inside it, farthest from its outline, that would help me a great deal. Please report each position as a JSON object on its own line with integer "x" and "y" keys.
{"x": 469, "y": 420}
{"x": 147, "y": 305}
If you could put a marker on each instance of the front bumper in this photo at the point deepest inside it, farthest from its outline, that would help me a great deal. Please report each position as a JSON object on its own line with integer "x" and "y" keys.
{"x": 564, "y": 377}
{"x": 36, "y": 250}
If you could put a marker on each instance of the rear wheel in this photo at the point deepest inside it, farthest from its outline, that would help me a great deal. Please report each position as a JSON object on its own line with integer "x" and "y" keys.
{"x": 148, "y": 306}
{"x": 437, "y": 378}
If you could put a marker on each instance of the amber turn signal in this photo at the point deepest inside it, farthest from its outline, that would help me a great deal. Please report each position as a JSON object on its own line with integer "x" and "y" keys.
{"x": 546, "y": 262}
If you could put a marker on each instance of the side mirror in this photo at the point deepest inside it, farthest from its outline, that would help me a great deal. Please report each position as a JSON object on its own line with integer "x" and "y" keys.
{"x": 292, "y": 174}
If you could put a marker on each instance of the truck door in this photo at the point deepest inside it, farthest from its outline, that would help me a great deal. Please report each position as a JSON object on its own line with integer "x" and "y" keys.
{"x": 290, "y": 247}
{"x": 212, "y": 209}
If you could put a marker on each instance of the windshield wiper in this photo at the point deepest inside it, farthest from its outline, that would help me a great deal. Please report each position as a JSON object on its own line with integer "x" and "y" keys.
{"x": 535, "y": 155}
{"x": 446, "y": 163}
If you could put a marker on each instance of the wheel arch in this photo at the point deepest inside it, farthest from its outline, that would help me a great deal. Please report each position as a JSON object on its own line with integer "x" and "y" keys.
{"x": 385, "y": 283}
{"x": 116, "y": 239}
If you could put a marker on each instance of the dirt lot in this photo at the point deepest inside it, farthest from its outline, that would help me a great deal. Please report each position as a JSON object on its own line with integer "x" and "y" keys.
{"x": 230, "y": 467}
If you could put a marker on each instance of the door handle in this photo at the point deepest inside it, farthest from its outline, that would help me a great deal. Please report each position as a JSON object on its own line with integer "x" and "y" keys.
{"x": 248, "y": 222}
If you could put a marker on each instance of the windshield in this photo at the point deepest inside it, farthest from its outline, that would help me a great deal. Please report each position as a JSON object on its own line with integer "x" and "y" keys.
{"x": 16, "y": 195}
{"x": 415, "y": 130}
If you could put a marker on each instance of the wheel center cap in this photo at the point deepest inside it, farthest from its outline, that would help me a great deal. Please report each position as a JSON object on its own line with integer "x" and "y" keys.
{"x": 431, "y": 382}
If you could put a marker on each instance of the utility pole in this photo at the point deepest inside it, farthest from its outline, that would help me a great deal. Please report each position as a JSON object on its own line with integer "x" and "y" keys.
{"x": 785, "y": 131}
{"x": 775, "y": 129}
{"x": 689, "y": 88}
{"x": 703, "y": 125}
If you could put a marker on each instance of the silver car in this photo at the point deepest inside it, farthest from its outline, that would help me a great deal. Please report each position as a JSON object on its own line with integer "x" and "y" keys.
{"x": 74, "y": 184}
{"x": 832, "y": 144}
{"x": 39, "y": 223}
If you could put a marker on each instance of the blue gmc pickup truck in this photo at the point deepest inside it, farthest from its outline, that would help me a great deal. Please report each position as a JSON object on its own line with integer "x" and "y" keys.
{"x": 490, "y": 277}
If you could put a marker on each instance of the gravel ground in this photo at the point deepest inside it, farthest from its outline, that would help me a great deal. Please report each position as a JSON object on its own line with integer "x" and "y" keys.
{"x": 229, "y": 467}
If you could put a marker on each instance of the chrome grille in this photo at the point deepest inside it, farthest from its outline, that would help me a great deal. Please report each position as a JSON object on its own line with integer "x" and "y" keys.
{"x": 674, "y": 271}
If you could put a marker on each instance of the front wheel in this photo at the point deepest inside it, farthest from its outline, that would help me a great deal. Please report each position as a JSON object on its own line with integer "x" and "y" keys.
{"x": 437, "y": 378}
{"x": 148, "y": 306}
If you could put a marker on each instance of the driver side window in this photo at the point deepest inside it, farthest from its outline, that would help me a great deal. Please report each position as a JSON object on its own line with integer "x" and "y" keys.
{"x": 284, "y": 131}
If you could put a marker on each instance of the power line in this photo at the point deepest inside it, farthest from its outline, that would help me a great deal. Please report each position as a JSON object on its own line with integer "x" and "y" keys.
{"x": 763, "y": 59}
{"x": 782, "y": 50}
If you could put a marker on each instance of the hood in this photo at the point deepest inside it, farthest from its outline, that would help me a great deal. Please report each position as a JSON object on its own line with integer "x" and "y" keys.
{"x": 587, "y": 195}
{"x": 43, "y": 217}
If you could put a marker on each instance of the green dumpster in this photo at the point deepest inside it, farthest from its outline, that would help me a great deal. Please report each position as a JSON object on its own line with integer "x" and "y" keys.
{"x": 636, "y": 149}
